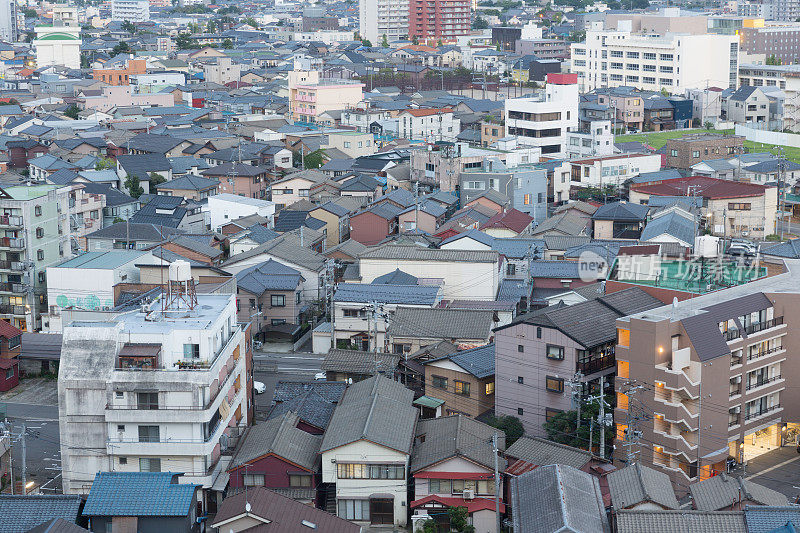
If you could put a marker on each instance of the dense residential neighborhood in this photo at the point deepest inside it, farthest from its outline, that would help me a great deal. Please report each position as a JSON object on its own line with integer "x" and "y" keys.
{"x": 399, "y": 266}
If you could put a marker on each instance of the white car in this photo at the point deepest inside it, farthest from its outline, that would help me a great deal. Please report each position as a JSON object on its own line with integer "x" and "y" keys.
{"x": 320, "y": 376}
{"x": 259, "y": 387}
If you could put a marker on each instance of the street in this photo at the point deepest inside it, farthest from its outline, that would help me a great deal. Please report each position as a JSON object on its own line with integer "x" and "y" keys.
{"x": 269, "y": 368}
{"x": 42, "y": 443}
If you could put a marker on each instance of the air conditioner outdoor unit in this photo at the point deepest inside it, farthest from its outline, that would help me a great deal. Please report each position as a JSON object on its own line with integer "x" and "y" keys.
{"x": 468, "y": 494}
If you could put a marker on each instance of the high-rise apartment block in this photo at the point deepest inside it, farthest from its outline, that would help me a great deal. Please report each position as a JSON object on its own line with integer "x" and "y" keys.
{"x": 377, "y": 18}
{"x": 438, "y": 19}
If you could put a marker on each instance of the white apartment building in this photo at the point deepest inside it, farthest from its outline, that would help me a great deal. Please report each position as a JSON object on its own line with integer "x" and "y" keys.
{"x": 706, "y": 103}
{"x": 60, "y": 43}
{"x": 612, "y": 170}
{"x": 377, "y": 18}
{"x": 154, "y": 391}
{"x": 130, "y": 10}
{"x": 672, "y": 61}
{"x": 598, "y": 140}
{"x": 225, "y": 207}
{"x": 545, "y": 119}
{"x": 783, "y": 77}
{"x": 8, "y": 20}
{"x": 428, "y": 124}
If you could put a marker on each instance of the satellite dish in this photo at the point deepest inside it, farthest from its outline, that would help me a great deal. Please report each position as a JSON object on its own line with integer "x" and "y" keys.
{"x": 247, "y": 507}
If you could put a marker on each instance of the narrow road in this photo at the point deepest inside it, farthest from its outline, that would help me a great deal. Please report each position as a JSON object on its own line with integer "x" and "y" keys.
{"x": 271, "y": 367}
{"x": 42, "y": 443}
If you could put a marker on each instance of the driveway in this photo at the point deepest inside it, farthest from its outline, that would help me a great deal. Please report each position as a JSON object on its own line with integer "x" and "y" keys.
{"x": 777, "y": 469}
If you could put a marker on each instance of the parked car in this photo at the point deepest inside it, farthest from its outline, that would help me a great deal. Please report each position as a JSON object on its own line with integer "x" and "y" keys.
{"x": 259, "y": 387}
{"x": 320, "y": 376}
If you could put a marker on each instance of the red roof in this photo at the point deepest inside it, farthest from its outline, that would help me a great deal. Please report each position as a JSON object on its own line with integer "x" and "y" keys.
{"x": 645, "y": 249}
{"x": 519, "y": 467}
{"x": 454, "y": 475}
{"x": 478, "y": 504}
{"x": 512, "y": 219}
{"x": 7, "y": 331}
{"x": 712, "y": 188}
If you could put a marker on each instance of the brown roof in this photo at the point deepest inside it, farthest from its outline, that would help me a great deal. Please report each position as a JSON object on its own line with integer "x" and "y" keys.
{"x": 512, "y": 219}
{"x": 285, "y": 515}
{"x": 7, "y": 331}
{"x": 711, "y": 188}
{"x": 647, "y": 249}
{"x": 427, "y": 112}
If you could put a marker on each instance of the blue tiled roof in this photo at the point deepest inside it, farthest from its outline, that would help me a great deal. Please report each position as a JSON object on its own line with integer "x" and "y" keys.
{"x": 474, "y": 234}
{"x": 624, "y": 211}
{"x": 513, "y": 290}
{"x": 770, "y": 519}
{"x": 673, "y": 224}
{"x": 479, "y": 361}
{"x": 21, "y": 513}
{"x": 138, "y": 494}
{"x": 395, "y": 277}
{"x": 789, "y": 249}
{"x": 387, "y": 294}
{"x": 554, "y": 269}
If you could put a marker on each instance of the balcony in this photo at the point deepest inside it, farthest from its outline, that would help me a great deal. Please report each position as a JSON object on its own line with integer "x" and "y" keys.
{"x": 760, "y": 383}
{"x": 591, "y": 366}
{"x": 10, "y": 221}
{"x": 757, "y": 327}
{"x": 17, "y": 243}
{"x": 305, "y": 98}
{"x": 765, "y": 353}
{"x": 734, "y": 420}
{"x": 763, "y": 412}
{"x": 15, "y": 288}
{"x": 678, "y": 380}
{"x": 16, "y": 266}
{"x": 735, "y": 390}
{"x": 8, "y": 309}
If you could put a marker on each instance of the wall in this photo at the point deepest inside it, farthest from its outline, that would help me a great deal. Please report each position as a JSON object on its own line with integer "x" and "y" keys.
{"x": 770, "y": 137}
{"x": 368, "y": 228}
{"x": 275, "y": 469}
{"x": 473, "y": 405}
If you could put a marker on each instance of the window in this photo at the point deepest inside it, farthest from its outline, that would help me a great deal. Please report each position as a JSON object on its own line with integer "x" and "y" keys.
{"x": 430, "y": 167}
{"x": 616, "y": 53}
{"x": 649, "y": 56}
{"x": 39, "y": 233}
{"x": 278, "y": 321}
{"x": 370, "y": 471}
{"x": 37, "y": 210}
{"x": 550, "y": 413}
{"x": 278, "y": 300}
{"x": 147, "y": 400}
{"x": 632, "y": 55}
{"x": 538, "y": 333}
{"x": 147, "y": 464}
{"x": 40, "y": 255}
{"x": 520, "y": 348}
{"x": 354, "y": 509}
{"x": 191, "y": 351}
{"x": 462, "y": 387}
{"x": 739, "y": 206}
{"x": 119, "y": 394}
{"x": 10, "y": 373}
{"x": 297, "y": 297}
{"x": 123, "y": 460}
{"x": 253, "y": 480}
{"x": 149, "y": 434}
{"x": 490, "y": 388}
{"x": 353, "y": 313}
{"x": 554, "y": 384}
{"x": 520, "y": 411}
{"x": 121, "y": 428}
{"x": 511, "y": 269}
{"x": 696, "y": 153}
{"x": 299, "y": 480}
{"x": 666, "y": 57}
{"x": 555, "y": 352}
{"x": 439, "y": 382}
{"x": 520, "y": 380}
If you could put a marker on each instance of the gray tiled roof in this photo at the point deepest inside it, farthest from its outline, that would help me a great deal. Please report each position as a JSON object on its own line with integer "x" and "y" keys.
{"x": 358, "y": 362}
{"x": 387, "y": 294}
{"x": 376, "y": 409}
{"x": 557, "y": 498}
{"x": 401, "y": 251}
{"x": 763, "y": 519}
{"x": 789, "y": 249}
{"x": 454, "y": 436}
{"x": 673, "y": 224}
{"x": 638, "y": 484}
{"x": 331, "y": 391}
{"x": 437, "y": 323}
{"x": 540, "y": 452}
{"x": 21, "y": 513}
{"x": 268, "y": 276}
{"x": 281, "y": 437}
{"x": 681, "y": 521}
{"x": 513, "y": 290}
{"x": 718, "y": 492}
{"x": 624, "y": 211}
{"x": 396, "y": 277}
{"x": 310, "y": 406}
{"x": 554, "y": 269}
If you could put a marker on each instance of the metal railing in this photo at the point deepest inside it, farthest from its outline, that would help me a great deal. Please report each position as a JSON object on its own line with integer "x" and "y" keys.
{"x": 761, "y": 326}
{"x": 764, "y": 353}
{"x": 10, "y": 242}
{"x": 596, "y": 365}
{"x": 762, "y": 382}
{"x": 750, "y": 416}
{"x": 11, "y": 220}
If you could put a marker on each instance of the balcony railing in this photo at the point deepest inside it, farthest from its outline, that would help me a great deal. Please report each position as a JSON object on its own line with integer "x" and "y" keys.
{"x": 11, "y": 220}
{"x": 762, "y": 382}
{"x": 16, "y": 288}
{"x": 7, "y": 309}
{"x": 10, "y": 242}
{"x": 764, "y": 353}
{"x": 751, "y": 416}
{"x": 10, "y": 265}
{"x": 734, "y": 420}
{"x": 596, "y": 365}
{"x": 735, "y": 391}
{"x": 761, "y": 326}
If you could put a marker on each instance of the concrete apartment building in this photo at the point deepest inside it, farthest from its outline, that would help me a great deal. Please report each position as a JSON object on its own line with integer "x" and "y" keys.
{"x": 59, "y": 44}
{"x": 377, "y": 18}
{"x": 311, "y": 96}
{"x": 612, "y": 170}
{"x": 538, "y": 353}
{"x": 612, "y": 58}
{"x": 222, "y": 70}
{"x": 168, "y": 391}
{"x": 715, "y": 371}
{"x": 130, "y": 10}
{"x": 544, "y": 120}
{"x": 34, "y": 234}
{"x": 683, "y": 152}
{"x": 439, "y": 19}
{"x": 773, "y": 38}
{"x": 784, "y": 77}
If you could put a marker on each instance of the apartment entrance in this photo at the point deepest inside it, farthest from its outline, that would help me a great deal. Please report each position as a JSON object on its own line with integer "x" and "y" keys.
{"x": 762, "y": 441}
{"x": 381, "y": 510}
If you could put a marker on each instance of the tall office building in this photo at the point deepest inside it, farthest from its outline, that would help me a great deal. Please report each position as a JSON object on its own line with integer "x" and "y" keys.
{"x": 377, "y": 18}
{"x": 438, "y": 19}
{"x": 8, "y": 20}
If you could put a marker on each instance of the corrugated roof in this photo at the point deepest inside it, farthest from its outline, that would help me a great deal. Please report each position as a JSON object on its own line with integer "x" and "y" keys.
{"x": 539, "y": 452}
{"x": 437, "y": 323}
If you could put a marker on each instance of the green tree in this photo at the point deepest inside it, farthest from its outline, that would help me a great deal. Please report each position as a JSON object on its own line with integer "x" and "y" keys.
{"x": 664, "y": 91}
{"x": 459, "y": 517}
{"x": 510, "y": 425}
{"x": 479, "y": 24}
{"x": 211, "y": 27}
{"x": 439, "y": 42}
{"x": 104, "y": 163}
{"x": 314, "y": 159}
{"x": 120, "y": 48}
{"x": 135, "y": 188}
{"x": 367, "y": 43}
{"x": 184, "y": 42}
{"x": 128, "y": 26}
{"x": 430, "y": 526}
{"x": 30, "y": 13}
{"x": 156, "y": 179}
{"x": 772, "y": 60}
{"x": 193, "y": 27}
{"x": 384, "y": 41}
{"x": 227, "y": 44}
{"x": 72, "y": 112}
{"x": 414, "y": 40}
{"x": 250, "y": 21}
{"x": 229, "y": 10}
{"x": 562, "y": 427}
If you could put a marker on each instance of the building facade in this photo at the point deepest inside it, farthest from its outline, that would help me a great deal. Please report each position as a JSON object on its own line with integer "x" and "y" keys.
{"x": 377, "y": 18}
{"x": 130, "y": 10}
{"x": 440, "y": 19}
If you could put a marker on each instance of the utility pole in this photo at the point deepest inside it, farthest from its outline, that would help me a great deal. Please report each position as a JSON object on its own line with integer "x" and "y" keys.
{"x": 591, "y": 433}
{"x": 602, "y": 420}
{"x": 496, "y": 484}
{"x": 24, "y": 461}
{"x": 416, "y": 205}
{"x": 632, "y": 432}
{"x": 577, "y": 388}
